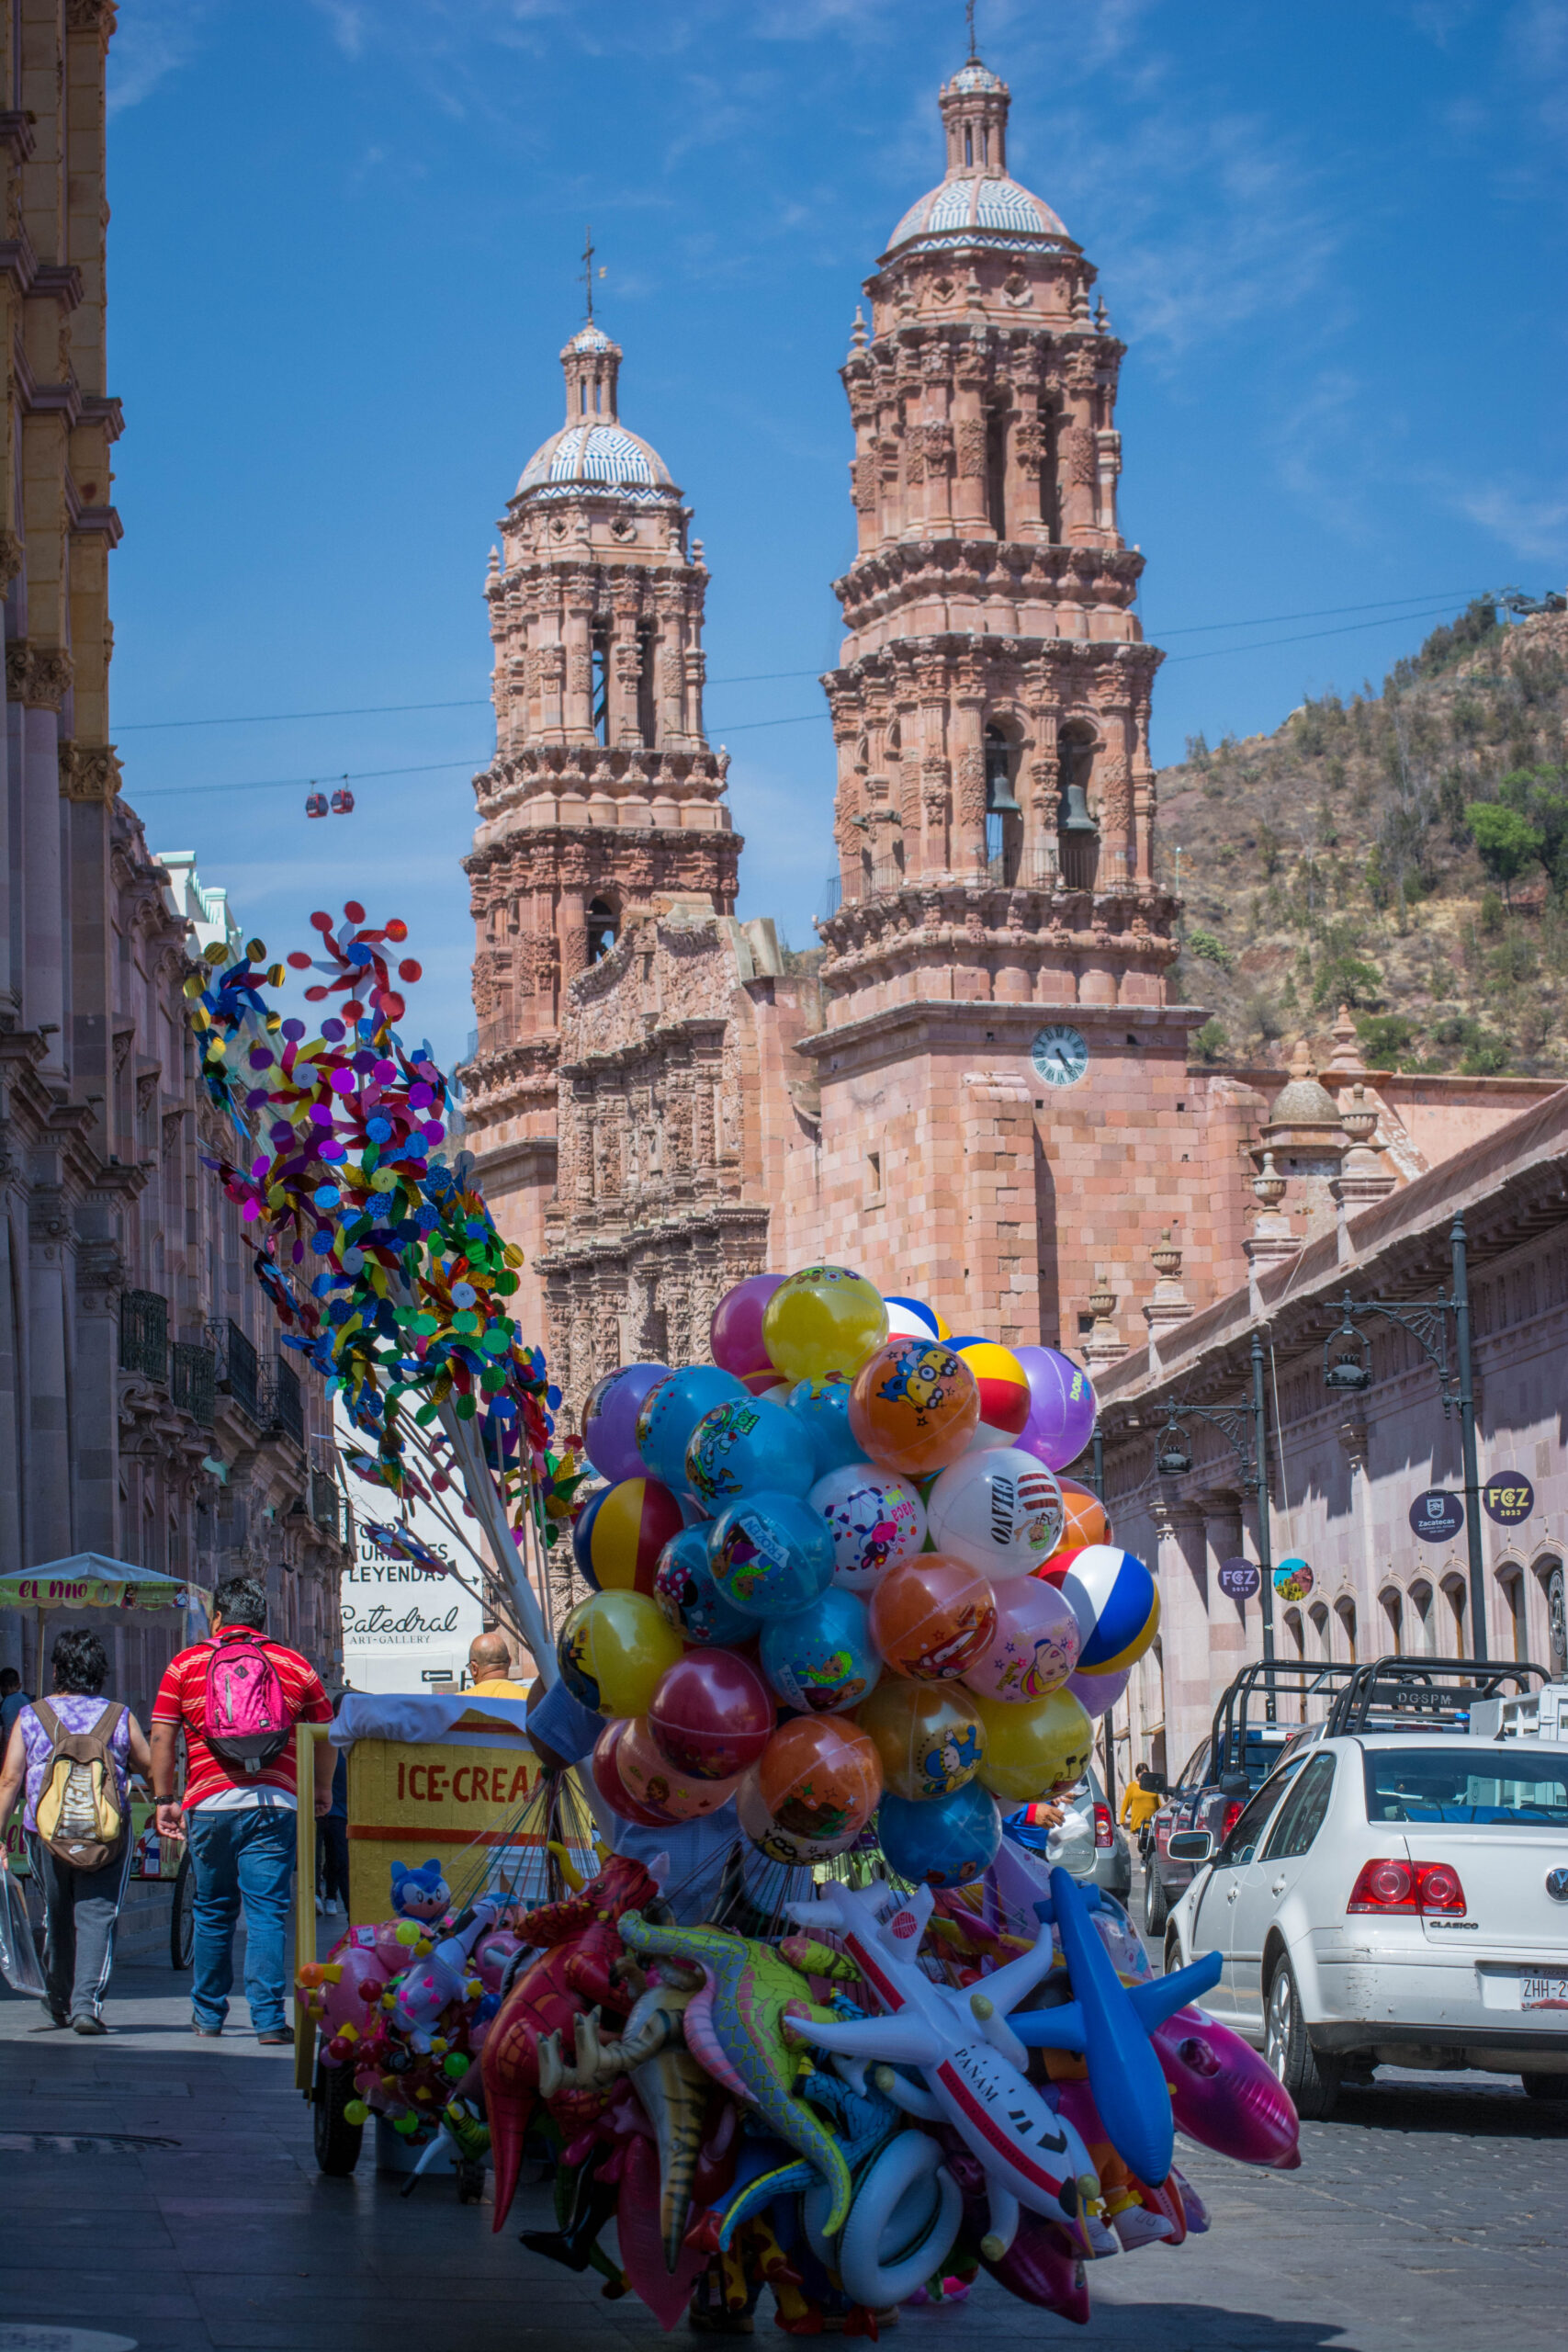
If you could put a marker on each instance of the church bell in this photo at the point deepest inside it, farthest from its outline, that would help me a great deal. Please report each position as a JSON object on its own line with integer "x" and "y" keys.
{"x": 1074, "y": 816}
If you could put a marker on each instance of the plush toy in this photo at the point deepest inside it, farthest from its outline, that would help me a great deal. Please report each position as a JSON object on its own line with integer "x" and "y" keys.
{"x": 421, "y": 1894}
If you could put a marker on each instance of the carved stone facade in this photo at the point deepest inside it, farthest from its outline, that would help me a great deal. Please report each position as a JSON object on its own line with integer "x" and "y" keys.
{"x": 662, "y": 1102}
{"x": 604, "y": 805}
{"x": 122, "y": 1279}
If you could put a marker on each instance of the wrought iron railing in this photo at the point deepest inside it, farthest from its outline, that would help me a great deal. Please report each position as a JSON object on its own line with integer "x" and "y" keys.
{"x": 326, "y": 1504}
{"x": 243, "y": 1371}
{"x": 144, "y": 1334}
{"x": 193, "y": 1386}
{"x": 288, "y": 1401}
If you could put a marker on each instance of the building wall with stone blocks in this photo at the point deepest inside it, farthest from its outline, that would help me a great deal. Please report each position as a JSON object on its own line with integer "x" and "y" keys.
{"x": 144, "y": 1412}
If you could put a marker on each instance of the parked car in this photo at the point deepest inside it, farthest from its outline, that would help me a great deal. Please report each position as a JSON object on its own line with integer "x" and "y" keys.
{"x": 1243, "y": 1744}
{"x": 1112, "y": 1855}
{"x": 1395, "y": 1894}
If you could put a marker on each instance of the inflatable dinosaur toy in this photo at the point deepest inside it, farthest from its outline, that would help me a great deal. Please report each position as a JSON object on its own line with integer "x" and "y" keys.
{"x": 737, "y": 2026}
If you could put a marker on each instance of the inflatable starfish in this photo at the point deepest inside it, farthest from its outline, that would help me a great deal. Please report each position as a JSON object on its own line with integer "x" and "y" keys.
{"x": 737, "y": 2027}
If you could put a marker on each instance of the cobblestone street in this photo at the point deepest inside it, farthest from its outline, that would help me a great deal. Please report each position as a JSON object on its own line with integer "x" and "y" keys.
{"x": 1423, "y": 2215}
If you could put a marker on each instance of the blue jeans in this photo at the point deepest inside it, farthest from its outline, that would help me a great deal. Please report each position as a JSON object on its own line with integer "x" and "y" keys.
{"x": 243, "y": 1856}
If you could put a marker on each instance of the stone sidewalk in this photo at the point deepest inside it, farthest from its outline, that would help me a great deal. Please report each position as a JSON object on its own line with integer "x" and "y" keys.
{"x": 161, "y": 2191}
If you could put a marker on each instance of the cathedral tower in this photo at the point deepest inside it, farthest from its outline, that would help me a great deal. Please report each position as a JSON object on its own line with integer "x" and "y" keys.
{"x": 998, "y": 1047}
{"x": 603, "y": 801}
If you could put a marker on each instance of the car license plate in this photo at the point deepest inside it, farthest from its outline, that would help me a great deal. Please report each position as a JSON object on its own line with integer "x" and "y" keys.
{"x": 1543, "y": 1993}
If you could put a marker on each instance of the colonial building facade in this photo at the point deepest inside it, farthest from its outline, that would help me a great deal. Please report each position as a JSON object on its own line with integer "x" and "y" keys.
{"x": 978, "y": 1089}
{"x": 143, "y": 1412}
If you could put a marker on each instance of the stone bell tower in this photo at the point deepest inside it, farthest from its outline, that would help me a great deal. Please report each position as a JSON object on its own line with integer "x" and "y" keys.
{"x": 996, "y": 946}
{"x": 603, "y": 801}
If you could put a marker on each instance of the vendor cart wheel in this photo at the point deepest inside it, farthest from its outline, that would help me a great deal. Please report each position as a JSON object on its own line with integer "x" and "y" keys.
{"x": 470, "y": 2183}
{"x": 182, "y": 1915}
{"x": 338, "y": 2141}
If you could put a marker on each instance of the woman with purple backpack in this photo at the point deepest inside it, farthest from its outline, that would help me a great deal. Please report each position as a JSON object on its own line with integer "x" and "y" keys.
{"x": 238, "y": 1697}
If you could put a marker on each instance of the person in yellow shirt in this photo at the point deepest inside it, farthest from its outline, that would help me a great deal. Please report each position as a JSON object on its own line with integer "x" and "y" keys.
{"x": 489, "y": 1667}
{"x": 1142, "y": 1800}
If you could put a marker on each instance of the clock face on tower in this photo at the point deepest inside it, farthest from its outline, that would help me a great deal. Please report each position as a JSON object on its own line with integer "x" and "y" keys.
{"x": 1060, "y": 1055}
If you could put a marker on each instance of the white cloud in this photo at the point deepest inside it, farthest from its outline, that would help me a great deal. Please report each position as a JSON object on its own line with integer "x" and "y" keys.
{"x": 1525, "y": 520}
{"x": 154, "y": 40}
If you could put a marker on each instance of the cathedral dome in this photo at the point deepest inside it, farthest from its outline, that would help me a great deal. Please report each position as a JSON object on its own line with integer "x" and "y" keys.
{"x": 998, "y": 210}
{"x": 593, "y": 448}
{"x": 976, "y": 203}
{"x": 605, "y": 455}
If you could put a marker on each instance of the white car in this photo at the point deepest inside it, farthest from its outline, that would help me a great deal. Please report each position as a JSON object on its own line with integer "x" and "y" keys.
{"x": 1395, "y": 1899}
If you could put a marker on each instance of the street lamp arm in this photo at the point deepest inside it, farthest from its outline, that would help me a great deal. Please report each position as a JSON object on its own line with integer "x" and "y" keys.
{"x": 1231, "y": 1422}
{"x": 1426, "y": 1320}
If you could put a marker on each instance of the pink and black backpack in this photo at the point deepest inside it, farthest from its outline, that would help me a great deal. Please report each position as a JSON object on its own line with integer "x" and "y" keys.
{"x": 248, "y": 1718}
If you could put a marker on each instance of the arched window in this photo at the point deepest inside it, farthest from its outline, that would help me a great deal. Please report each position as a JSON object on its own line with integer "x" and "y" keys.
{"x": 1455, "y": 1595}
{"x": 1295, "y": 1632}
{"x": 996, "y": 470}
{"x": 1319, "y": 1614}
{"x": 1424, "y": 1630}
{"x": 1555, "y": 1648}
{"x": 1392, "y": 1602}
{"x": 1511, "y": 1586}
{"x": 1004, "y": 817}
{"x": 1344, "y": 1611}
{"x": 601, "y": 929}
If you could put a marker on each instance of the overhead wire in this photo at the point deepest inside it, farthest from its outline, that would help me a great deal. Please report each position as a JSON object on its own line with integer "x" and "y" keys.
{"x": 740, "y": 727}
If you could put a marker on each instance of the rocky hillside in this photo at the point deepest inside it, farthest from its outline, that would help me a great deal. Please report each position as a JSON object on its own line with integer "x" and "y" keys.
{"x": 1405, "y": 854}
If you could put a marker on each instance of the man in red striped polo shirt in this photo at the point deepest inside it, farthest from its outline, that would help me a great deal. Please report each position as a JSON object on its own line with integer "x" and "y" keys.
{"x": 241, "y": 1824}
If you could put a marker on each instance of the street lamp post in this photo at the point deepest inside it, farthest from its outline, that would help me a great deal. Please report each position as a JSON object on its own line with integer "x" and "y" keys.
{"x": 1426, "y": 1320}
{"x": 1244, "y": 1428}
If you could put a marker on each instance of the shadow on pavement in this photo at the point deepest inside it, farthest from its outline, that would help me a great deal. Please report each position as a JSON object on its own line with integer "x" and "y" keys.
{"x": 1476, "y": 2112}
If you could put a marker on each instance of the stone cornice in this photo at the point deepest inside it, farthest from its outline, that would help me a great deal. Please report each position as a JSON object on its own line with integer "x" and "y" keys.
{"x": 1013, "y": 1024}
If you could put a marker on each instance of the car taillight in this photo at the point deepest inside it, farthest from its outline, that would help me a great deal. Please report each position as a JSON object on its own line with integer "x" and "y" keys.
{"x": 1233, "y": 1815}
{"x": 1104, "y": 1834}
{"x": 1409, "y": 1887}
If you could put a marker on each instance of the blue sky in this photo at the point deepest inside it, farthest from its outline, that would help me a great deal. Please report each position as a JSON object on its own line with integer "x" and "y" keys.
{"x": 342, "y": 261}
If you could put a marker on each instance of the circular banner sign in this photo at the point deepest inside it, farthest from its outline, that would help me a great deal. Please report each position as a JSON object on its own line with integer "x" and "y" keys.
{"x": 1293, "y": 1579}
{"x": 1436, "y": 1516}
{"x": 1240, "y": 1578}
{"x": 1507, "y": 1498}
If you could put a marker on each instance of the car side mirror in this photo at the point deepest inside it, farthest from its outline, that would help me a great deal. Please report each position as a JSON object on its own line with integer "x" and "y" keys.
{"x": 1189, "y": 1845}
{"x": 1234, "y": 1784}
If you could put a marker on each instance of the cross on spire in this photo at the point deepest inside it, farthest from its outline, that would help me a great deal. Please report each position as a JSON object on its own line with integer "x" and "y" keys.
{"x": 969, "y": 16}
{"x": 587, "y": 271}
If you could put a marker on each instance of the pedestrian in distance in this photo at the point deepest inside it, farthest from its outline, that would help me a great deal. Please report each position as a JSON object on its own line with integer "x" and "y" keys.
{"x": 238, "y": 1697}
{"x": 73, "y": 1753}
{"x": 489, "y": 1666}
{"x": 13, "y": 1699}
{"x": 1139, "y": 1805}
{"x": 332, "y": 1835}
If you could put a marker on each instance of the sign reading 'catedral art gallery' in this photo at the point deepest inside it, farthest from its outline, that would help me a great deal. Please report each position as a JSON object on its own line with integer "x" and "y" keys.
{"x": 405, "y": 1628}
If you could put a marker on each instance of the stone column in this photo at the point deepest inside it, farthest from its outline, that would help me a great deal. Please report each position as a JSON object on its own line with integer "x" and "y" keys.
{"x": 1232, "y": 1636}
{"x": 1077, "y": 454}
{"x": 38, "y": 679}
{"x": 1183, "y": 1571}
{"x": 621, "y": 731}
{"x": 49, "y": 1512}
{"x": 969, "y": 755}
{"x": 969, "y": 516}
{"x": 577, "y": 630}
